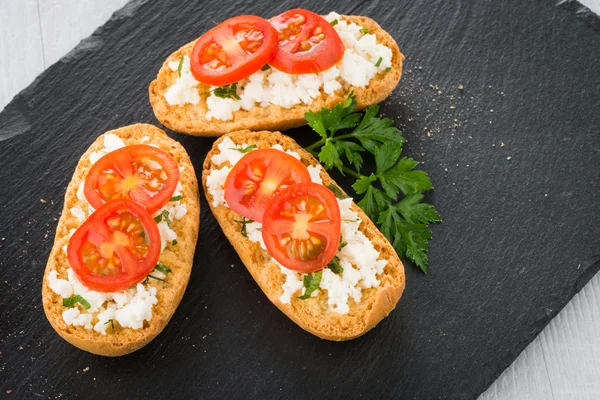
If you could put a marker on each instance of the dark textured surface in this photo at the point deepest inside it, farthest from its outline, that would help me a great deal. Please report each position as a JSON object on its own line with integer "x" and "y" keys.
{"x": 520, "y": 236}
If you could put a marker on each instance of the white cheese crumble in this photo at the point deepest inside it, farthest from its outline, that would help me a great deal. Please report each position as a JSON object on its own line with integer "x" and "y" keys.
{"x": 184, "y": 90}
{"x": 358, "y": 258}
{"x": 111, "y": 143}
{"x": 363, "y": 59}
{"x": 130, "y": 308}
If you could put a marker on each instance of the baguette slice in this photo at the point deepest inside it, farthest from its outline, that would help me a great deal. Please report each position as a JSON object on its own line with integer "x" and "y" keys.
{"x": 179, "y": 258}
{"x": 313, "y": 314}
{"x": 191, "y": 119}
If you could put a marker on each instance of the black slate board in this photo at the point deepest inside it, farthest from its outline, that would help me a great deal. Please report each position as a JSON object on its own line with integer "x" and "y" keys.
{"x": 520, "y": 236}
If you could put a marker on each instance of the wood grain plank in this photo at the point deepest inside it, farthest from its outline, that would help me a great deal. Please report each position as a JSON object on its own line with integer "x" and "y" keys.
{"x": 21, "y": 54}
{"x": 66, "y": 22}
{"x": 563, "y": 362}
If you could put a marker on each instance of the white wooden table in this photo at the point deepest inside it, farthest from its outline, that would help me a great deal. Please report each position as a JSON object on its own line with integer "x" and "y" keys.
{"x": 563, "y": 362}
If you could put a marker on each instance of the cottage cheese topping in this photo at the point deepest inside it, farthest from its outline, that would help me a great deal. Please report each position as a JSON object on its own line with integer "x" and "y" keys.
{"x": 132, "y": 307}
{"x": 363, "y": 59}
{"x": 359, "y": 258}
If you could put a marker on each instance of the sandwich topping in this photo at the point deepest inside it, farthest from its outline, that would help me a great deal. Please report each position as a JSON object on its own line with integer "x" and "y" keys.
{"x": 111, "y": 274}
{"x": 355, "y": 265}
{"x": 337, "y": 54}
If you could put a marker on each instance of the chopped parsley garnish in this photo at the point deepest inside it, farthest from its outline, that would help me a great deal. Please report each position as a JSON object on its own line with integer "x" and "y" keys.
{"x": 364, "y": 31}
{"x": 243, "y": 224}
{"x": 334, "y": 265}
{"x": 265, "y": 67}
{"x": 180, "y": 66}
{"x": 176, "y": 198}
{"x": 174, "y": 242}
{"x": 71, "y": 301}
{"x": 311, "y": 283}
{"x": 227, "y": 92}
{"x": 245, "y": 149}
{"x": 337, "y": 191}
{"x": 388, "y": 69}
{"x": 163, "y": 215}
{"x": 112, "y": 324}
{"x": 334, "y": 22}
{"x": 393, "y": 193}
{"x": 378, "y": 63}
{"x": 162, "y": 268}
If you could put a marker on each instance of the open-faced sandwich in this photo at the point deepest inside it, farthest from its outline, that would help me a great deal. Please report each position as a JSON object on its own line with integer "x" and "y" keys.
{"x": 125, "y": 241}
{"x": 250, "y": 73}
{"x": 313, "y": 252}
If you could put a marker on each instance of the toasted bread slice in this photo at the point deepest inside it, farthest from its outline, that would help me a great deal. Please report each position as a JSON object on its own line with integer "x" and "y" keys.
{"x": 191, "y": 119}
{"x": 312, "y": 314}
{"x": 120, "y": 341}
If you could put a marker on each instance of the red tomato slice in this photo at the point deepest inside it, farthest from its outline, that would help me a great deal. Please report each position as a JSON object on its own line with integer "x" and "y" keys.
{"x": 142, "y": 173}
{"x": 307, "y": 43}
{"x": 257, "y": 177}
{"x": 301, "y": 227}
{"x": 116, "y": 247}
{"x": 233, "y": 50}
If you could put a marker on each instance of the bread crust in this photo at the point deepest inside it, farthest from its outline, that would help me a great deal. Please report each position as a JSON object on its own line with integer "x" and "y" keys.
{"x": 179, "y": 258}
{"x": 312, "y": 314}
{"x": 191, "y": 119}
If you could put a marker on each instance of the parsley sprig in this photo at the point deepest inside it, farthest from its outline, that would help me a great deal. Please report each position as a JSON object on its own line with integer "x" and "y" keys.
{"x": 227, "y": 92}
{"x": 392, "y": 195}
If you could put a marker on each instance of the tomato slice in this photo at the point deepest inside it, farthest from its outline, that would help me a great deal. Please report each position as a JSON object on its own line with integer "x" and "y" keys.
{"x": 257, "y": 177}
{"x": 301, "y": 227}
{"x": 142, "y": 173}
{"x": 307, "y": 43}
{"x": 116, "y": 247}
{"x": 233, "y": 50}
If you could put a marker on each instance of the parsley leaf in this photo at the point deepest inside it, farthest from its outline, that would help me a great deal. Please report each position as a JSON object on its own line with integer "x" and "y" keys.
{"x": 243, "y": 224}
{"x": 311, "y": 283}
{"x": 180, "y": 66}
{"x": 364, "y": 31}
{"x": 227, "y": 92}
{"x": 71, "y": 301}
{"x": 176, "y": 198}
{"x": 334, "y": 22}
{"x": 337, "y": 191}
{"x": 392, "y": 195}
{"x": 265, "y": 67}
{"x": 378, "y": 63}
{"x": 244, "y": 150}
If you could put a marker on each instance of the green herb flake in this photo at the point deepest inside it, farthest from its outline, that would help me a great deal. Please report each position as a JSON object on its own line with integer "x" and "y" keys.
{"x": 311, "y": 283}
{"x": 337, "y": 191}
{"x": 174, "y": 242}
{"x": 243, "y": 224}
{"x": 180, "y": 66}
{"x": 364, "y": 31}
{"x": 227, "y": 92}
{"x": 334, "y": 266}
{"x": 112, "y": 324}
{"x": 334, "y": 22}
{"x": 244, "y": 150}
{"x": 71, "y": 301}
{"x": 378, "y": 63}
{"x": 388, "y": 69}
{"x": 162, "y": 268}
{"x": 392, "y": 195}
{"x": 164, "y": 215}
{"x": 265, "y": 67}
{"x": 176, "y": 198}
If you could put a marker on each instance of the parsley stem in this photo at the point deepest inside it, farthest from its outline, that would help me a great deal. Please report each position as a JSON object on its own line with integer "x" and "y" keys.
{"x": 346, "y": 170}
{"x": 314, "y": 146}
